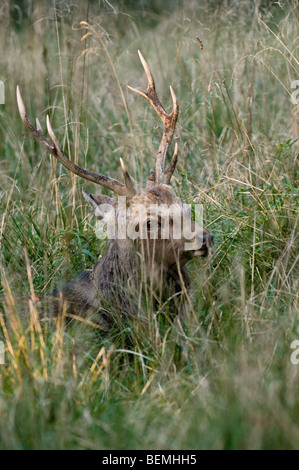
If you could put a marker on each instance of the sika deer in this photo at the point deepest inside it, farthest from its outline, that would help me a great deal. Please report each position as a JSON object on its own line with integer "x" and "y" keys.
{"x": 140, "y": 261}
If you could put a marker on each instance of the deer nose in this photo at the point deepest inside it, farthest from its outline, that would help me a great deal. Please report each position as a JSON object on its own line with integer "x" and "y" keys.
{"x": 208, "y": 239}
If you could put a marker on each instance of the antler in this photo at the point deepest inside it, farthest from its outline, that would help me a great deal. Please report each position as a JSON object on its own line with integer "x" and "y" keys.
{"x": 55, "y": 149}
{"x": 169, "y": 122}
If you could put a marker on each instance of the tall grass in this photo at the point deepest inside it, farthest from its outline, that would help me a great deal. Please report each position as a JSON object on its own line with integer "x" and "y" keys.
{"x": 224, "y": 378}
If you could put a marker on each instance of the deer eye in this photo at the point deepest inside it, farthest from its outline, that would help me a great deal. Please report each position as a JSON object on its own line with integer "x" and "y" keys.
{"x": 153, "y": 224}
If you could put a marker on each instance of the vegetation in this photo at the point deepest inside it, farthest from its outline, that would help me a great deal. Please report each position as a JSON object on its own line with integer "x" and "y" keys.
{"x": 222, "y": 379}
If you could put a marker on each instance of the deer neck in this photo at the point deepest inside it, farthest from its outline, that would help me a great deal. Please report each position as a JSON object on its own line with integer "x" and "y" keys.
{"x": 122, "y": 264}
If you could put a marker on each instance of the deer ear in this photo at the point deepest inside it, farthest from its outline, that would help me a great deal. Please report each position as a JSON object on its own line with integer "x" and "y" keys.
{"x": 101, "y": 204}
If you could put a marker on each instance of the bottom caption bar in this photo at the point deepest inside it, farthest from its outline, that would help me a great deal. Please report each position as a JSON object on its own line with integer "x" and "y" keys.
{"x": 134, "y": 459}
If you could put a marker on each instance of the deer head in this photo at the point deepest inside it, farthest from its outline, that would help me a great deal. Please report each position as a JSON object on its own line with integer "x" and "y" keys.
{"x": 141, "y": 216}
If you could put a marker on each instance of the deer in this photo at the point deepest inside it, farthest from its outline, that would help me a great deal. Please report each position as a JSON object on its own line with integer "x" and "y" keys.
{"x": 151, "y": 265}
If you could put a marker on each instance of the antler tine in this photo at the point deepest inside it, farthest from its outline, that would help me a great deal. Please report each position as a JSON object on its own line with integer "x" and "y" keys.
{"x": 171, "y": 167}
{"x": 150, "y": 78}
{"x": 128, "y": 182}
{"x": 151, "y": 180}
{"x": 169, "y": 120}
{"x": 36, "y": 132}
{"x": 58, "y": 153}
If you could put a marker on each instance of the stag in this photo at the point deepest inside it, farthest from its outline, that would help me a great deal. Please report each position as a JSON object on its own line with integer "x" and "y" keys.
{"x": 150, "y": 266}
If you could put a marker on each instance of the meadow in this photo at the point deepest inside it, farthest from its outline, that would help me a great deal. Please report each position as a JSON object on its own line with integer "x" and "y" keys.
{"x": 223, "y": 378}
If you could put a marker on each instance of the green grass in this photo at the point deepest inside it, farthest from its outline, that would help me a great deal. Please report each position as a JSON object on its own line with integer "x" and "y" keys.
{"x": 224, "y": 378}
